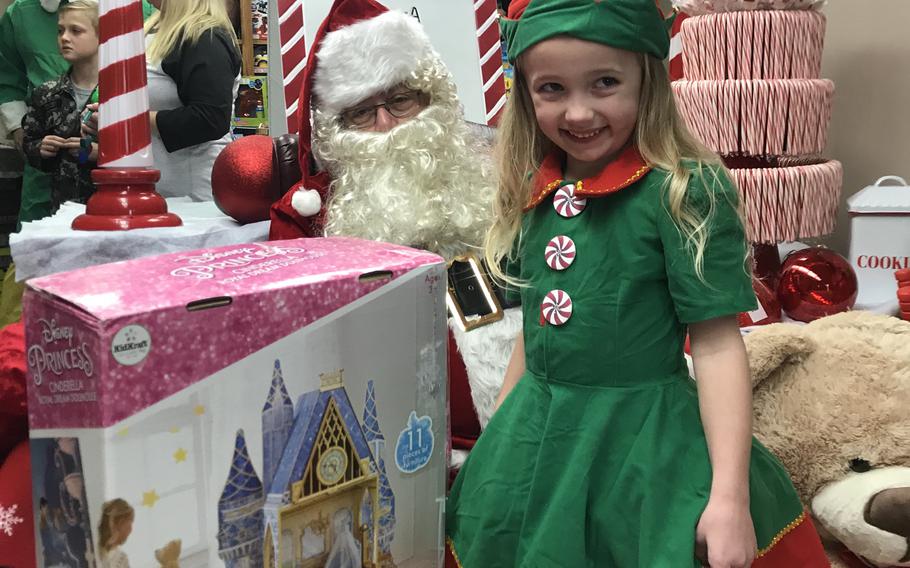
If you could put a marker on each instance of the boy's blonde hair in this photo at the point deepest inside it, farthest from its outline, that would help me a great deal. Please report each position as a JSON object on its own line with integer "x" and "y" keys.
{"x": 181, "y": 21}
{"x": 90, "y": 7}
{"x": 113, "y": 513}
{"x": 662, "y": 139}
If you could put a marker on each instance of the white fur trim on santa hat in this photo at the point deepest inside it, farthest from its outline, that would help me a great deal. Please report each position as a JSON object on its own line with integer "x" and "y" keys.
{"x": 50, "y": 5}
{"x": 306, "y": 202}
{"x": 361, "y": 60}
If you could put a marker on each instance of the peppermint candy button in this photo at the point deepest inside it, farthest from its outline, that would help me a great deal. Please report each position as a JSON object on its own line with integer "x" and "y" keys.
{"x": 560, "y": 253}
{"x": 565, "y": 202}
{"x": 556, "y": 307}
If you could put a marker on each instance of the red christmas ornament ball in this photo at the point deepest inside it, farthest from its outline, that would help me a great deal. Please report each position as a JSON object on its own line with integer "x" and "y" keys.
{"x": 13, "y": 393}
{"x": 243, "y": 180}
{"x": 816, "y": 282}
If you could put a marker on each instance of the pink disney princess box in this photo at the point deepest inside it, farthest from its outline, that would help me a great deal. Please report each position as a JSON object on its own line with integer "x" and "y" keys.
{"x": 278, "y": 404}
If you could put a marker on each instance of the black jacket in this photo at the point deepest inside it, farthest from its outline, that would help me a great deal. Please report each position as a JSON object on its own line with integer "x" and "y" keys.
{"x": 52, "y": 111}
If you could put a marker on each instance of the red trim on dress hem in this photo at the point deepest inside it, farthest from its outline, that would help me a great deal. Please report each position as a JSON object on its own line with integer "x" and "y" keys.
{"x": 798, "y": 548}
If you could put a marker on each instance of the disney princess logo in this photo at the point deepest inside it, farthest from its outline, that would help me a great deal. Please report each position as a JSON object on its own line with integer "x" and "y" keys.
{"x": 41, "y": 360}
{"x": 204, "y": 266}
{"x": 50, "y": 333}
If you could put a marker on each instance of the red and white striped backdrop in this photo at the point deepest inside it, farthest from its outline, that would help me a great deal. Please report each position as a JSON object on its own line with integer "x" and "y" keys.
{"x": 293, "y": 56}
{"x": 676, "y": 51}
{"x": 124, "y": 134}
{"x": 486, "y": 17}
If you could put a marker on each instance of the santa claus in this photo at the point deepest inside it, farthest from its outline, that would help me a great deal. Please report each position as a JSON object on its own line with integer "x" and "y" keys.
{"x": 385, "y": 154}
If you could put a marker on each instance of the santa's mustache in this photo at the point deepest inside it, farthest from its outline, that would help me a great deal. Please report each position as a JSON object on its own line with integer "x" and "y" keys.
{"x": 426, "y": 132}
{"x": 421, "y": 183}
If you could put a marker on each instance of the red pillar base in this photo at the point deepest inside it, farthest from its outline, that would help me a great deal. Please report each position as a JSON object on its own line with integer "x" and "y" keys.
{"x": 766, "y": 264}
{"x": 126, "y": 199}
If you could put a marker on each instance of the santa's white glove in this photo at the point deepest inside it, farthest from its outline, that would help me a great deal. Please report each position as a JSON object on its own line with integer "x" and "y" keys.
{"x": 306, "y": 202}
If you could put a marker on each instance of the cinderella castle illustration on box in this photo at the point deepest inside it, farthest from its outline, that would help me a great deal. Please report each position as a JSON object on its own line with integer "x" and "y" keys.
{"x": 324, "y": 498}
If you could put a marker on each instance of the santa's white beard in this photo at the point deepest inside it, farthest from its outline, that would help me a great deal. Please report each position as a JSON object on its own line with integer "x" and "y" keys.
{"x": 423, "y": 183}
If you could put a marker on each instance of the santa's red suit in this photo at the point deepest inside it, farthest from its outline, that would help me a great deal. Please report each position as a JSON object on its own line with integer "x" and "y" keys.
{"x": 425, "y": 183}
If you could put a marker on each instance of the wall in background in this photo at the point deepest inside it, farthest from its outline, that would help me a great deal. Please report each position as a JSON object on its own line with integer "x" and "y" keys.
{"x": 867, "y": 55}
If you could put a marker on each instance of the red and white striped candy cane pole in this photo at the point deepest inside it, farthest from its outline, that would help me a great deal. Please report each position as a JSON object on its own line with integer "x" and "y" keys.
{"x": 125, "y": 197}
{"x": 293, "y": 56}
{"x": 676, "y": 48}
{"x": 486, "y": 18}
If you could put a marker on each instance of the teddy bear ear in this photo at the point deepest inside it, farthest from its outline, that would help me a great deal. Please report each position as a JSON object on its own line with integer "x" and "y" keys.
{"x": 774, "y": 346}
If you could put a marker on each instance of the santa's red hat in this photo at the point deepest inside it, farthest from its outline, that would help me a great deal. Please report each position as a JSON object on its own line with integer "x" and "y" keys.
{"x": 361, "y": 49}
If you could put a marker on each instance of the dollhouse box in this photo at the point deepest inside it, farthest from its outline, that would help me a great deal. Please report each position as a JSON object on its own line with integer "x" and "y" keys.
{"x": 278, "y": 405}
{"x": 880, "y": 239}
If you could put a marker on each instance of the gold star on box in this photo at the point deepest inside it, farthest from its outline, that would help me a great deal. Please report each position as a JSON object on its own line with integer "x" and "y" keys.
{"x": 175, "y": 429}
{"x": 199, "y": 410}
{"x": 180, "y": 455}
{"x": 149, "y": 498}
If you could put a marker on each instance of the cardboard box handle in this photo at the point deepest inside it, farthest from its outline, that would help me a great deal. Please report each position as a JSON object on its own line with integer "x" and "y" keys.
{"x": 209, "y": 303}
{"x": 900, "y": 180}
{"x": 375, "y": 275}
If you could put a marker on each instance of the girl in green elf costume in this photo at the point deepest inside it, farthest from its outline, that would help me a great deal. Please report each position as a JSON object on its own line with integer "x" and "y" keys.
{"x": 625, "y": 235}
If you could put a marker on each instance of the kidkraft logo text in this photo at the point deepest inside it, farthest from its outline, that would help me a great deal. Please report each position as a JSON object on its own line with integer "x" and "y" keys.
{"x": 58, "y": 352}
{"x": 204, "y": 266}
{"x": 131, "y": 345}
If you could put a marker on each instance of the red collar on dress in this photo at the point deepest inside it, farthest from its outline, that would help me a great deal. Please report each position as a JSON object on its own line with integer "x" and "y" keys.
{"x": 626, "y": 169}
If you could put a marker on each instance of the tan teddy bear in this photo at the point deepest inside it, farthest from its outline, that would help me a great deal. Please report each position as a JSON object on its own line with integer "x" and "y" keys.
{"x": 169, "y": 554}
{"x": 832, "y": 401}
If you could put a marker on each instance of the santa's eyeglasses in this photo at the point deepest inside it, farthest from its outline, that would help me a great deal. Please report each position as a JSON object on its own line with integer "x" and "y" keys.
{"x": 400, "y": 105}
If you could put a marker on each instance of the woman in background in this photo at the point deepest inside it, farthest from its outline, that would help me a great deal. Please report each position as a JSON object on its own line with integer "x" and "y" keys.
{"x": 193, "y": 73}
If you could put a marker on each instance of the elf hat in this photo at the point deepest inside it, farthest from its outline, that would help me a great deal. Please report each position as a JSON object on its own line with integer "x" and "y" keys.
{"x": 361, "y": 49}
{"x": 633, "y": 25}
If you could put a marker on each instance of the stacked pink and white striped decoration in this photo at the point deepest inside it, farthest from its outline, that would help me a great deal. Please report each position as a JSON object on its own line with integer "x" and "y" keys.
{"x": 701, "y": 7}
{"x": 751, "y": 92}
{"x": 486, "y": 16}
{"x": 293, "y": 56}
{"x": 785, "y": 117}
{"x": 124, "y": 134}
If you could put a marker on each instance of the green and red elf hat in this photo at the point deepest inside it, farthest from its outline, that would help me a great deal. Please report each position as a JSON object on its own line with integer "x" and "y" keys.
{"x": 633, "y": 25}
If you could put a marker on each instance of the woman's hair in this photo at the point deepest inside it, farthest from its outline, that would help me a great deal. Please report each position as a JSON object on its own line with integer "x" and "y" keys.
{"x": 184, "y": 21}
{"x": 90, "y": 7}
{"x": 113, "y": 513}
{"x": 662, "y": 139}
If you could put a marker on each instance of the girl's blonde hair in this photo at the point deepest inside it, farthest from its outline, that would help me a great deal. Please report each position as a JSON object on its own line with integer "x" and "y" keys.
{"x": 90, "y": 7}
{"x": 662, "y": 139}
{"x": 182, "y": 21}
{"x": 113, "y": 513}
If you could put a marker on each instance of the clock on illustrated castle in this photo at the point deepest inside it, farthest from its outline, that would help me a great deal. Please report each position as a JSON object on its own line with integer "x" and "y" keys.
{"x": 332, "y": 465}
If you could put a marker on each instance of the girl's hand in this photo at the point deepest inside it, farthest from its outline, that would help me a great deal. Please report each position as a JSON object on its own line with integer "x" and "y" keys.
{"x": 90, "y": 127}
{"x": 72, "y": 144}
{"x": 50, "y": 145}
{"x": 725, "y": 537}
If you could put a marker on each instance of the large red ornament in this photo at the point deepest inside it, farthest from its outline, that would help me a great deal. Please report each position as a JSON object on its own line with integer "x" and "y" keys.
{"x": 243, "y": 179}
{"x": 13, "y": 394}
{"x": 816, "y": 282}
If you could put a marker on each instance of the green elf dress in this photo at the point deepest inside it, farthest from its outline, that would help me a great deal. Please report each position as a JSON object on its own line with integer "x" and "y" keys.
{"x": 597, "y": 458}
